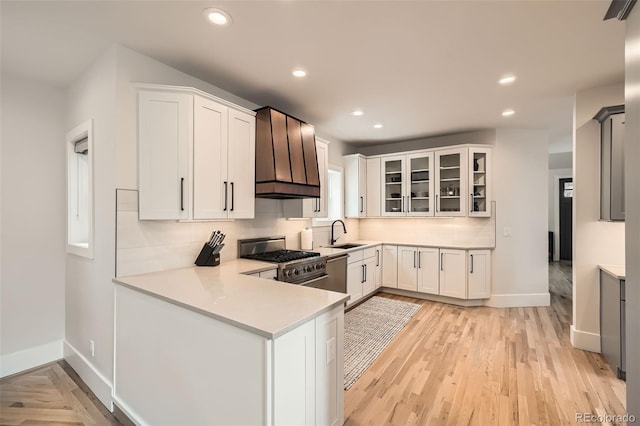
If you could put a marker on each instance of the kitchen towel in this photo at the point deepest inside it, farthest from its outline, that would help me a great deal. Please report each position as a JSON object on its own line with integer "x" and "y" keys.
{"x": 306, "y": 239}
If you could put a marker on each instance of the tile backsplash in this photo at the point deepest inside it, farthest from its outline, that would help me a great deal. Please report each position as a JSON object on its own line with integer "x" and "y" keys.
{"x": 153, "y": 245}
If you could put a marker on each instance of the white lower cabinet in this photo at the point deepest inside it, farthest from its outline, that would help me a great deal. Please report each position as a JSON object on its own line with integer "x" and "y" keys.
{"x": 418, "y": 269}
{"x": 378, "y": 276}
{"x": 453, "y": 273}
{"x": 227, "y": 375}
{"x": 407, "y": 268}
{"x": 428, "y": 274}
{"x": 361, "y": 274}
{"x": 390, "y": 266}
{"x": 479, "y": 274}
{"x": 463, "y": 274}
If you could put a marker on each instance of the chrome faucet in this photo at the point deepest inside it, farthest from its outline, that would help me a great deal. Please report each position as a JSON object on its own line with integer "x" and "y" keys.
{"x": 344, "y": 228}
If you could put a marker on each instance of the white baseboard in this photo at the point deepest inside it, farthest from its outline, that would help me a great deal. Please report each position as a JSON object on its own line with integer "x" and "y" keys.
{"x": 585, "y": 340}
{"x": 97, "y": 382}
{"x": 128, "y": 411}
{"x": 29, "y": 358}
{"x": 518, "y": 300}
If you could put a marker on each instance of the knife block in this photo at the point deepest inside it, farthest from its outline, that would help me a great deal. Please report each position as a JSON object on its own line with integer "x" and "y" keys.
{"x": 207, "y": 257}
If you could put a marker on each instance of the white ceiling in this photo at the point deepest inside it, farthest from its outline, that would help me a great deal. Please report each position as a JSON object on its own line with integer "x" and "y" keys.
{"x": 420, "y": 68}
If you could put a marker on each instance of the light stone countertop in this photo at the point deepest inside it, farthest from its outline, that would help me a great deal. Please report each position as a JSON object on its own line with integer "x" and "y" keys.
{"x": 616, "y": 271}
{"x": 332, "y": 252}
{"x": 265, "y": 307}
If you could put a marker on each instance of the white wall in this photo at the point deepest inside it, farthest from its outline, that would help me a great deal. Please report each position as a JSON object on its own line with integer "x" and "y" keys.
{"x": 632, "y": 178}
{"x": 520, "y": 267}
{"x": 89, "y": 292}
{"x": 554, "y": 221}
{"x": 594, "y": 242}
{"x": 33, "y": 218}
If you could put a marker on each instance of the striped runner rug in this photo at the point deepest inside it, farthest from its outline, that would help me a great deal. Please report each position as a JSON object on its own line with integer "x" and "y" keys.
{"x": 368, "y": 329}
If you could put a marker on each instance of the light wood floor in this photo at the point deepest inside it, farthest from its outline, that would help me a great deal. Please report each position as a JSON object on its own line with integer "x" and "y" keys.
{"x": 52, "y": 394}
{"x": 486, "y": 366}
{"x": 448, "y": 366}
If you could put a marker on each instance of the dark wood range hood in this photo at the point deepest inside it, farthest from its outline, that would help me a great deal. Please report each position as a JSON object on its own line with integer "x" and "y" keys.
{"x": 286, "y": 158}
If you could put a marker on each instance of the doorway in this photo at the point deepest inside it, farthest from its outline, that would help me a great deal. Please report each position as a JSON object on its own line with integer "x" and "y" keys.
{"x": 565, "y": 204}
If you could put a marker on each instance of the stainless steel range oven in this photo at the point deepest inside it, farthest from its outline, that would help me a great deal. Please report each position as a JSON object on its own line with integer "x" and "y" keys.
{"x": 294, "y": 266}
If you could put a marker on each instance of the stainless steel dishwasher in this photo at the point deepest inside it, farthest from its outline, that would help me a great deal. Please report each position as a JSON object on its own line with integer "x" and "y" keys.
{"x": 336, "y": 275}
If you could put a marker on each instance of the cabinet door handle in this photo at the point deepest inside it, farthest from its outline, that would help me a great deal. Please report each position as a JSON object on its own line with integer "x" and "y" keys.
{"x": 441, "y": 261}
{"x": 377, "y": 257}
{"x": 419, "y": 260}
{"x": 362, "y": 279}
{"x": 232, "y": 196}
{"x": 225, "y": 196}
{"x": 361, "y": 204}
{"x": 365, "y": 273}
{"x": 471, "y": 209}
{"x": 408, "y": 204}
{"x": 182, "y": 194}
{"x": 437, "y": 203}
{"x": 471, "y": 265}
{"x": 402, "y": 205}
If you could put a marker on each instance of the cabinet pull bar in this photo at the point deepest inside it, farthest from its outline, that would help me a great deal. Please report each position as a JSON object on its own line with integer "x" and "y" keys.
{"x": 377, "y": 257}
{"x": 471, "y": 208}
{"x": 441, "y": 262}
{"x": 437, "y": 203}
{"x": 232, "y": 196}
{"x": 182, "y": 194}
{"x": 361, "y": 204}
{"x": 362, "y": 279}
{"x": 365, "y": 273}
{"x": 225, "y": 196}
{"x": 419, "y": 260}
{"x": 471, "y": 265}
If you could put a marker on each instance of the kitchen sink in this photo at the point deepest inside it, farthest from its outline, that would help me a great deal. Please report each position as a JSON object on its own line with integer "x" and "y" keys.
{"x": 346, "y": 246}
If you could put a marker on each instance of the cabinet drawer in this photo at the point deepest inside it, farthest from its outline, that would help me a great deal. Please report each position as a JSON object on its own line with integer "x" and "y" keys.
{"x": 356, "y": 256}
{"x": 368, "y": 252}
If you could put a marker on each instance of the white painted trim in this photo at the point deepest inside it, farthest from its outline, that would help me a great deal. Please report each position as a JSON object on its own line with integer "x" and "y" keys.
{"x": 519, "y": 300}
{"x": 128, "y": 411}
{"x": 27, "y": 359}
{"x": 585, "y": 340}
{"x": 97, "y": 382}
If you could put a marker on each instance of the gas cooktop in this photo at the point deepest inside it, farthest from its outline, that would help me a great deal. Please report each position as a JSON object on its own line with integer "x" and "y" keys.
{"x": 281, "y": 256}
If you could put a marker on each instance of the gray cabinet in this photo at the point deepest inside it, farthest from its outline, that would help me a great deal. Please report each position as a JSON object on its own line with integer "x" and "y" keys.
{"x": 612, "y": 322}
{"x": 611, "y": 162}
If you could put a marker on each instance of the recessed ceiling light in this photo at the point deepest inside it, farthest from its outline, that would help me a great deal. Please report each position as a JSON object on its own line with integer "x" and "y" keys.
{"x": 378, "y": 126}
{"x": 357, "y": 113}
{"x": 508, "y": 112}
{"x": 299, "y": 72}
{"x": 217, "y": 16}
{"x": 507, "y": 79}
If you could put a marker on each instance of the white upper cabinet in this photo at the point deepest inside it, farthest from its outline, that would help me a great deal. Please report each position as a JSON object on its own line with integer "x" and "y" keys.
{"x": 372, "y": 190}
{"x": 451, "y": 182}
{"x": 408, "y": 181}
{"x": 196, "y": 156}
{"x": 355, "y": 171}
{"x": 479, "y": 182}
{"x": 313, "y": 207}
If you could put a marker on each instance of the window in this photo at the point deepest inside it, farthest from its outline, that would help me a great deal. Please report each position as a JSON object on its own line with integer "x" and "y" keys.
{"x": 335, "y": 197}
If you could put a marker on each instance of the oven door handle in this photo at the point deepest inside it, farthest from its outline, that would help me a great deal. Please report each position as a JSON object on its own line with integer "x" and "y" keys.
{"x": 321, "y": 277}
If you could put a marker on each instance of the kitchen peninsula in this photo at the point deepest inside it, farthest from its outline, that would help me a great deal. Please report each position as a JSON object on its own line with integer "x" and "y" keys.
{"x": 216, "y": 346}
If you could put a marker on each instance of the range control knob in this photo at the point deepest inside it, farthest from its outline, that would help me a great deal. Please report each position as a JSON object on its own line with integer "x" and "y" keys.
{"x": 295, "y": 271}
{"x": 287, "y": 272}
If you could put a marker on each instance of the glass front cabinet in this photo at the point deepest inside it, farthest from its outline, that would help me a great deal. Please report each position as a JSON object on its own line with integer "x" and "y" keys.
{"x": 451, "y": 182}
{"x": 408, "y": 185}
{"x": 479, "y": 183}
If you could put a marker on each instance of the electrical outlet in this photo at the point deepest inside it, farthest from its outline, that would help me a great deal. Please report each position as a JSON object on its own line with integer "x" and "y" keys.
{"x": 92, "y": 348}
{"x": 507, "y": 232}
{"x": 331, "y": 350}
